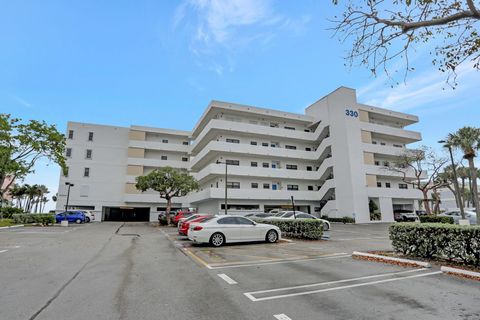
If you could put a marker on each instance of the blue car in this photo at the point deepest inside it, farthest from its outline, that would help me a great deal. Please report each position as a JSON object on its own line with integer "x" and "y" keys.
{"x": 72, "y": 216}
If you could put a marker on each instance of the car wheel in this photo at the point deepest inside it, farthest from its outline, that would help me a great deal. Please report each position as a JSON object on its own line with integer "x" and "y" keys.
{"x": 87, "y": 219}
{"x": 326, "y": 226}
{"x": 217, "y": 239}
{"x": 78, "y": 221}
{"x": 272, "y": 236}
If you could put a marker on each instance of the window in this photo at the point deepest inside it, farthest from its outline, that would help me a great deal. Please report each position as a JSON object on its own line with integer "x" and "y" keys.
{"x": 273, "y": 125}
{"x": 310, "y": 188}
{"x": 387, "y": 184}
{"x": 184, "y": 159}
{"x": 290, "y": 147}
{"x": 292, "y": 187}
{"x": 386, "y": 163}
{"x": 90, "y": 136}
{"x": 307, "y": 130}
{"x": 266, "y": 165}
{"x": 232, "y": 162}
{"x": 185, "y": 143}
{"x": 273, "y": 145}
{"x": 382, "y": 143}
{"x": 266, "y": 186}
{"x": 88, "y": 154}
{"x": 403, "y": 186}
{"x": 377, "y": 163}
{"x": 289, "y": 128}
{"x": 397, "y": 145}
{"x": 291, "y": 166}
{"x": 68, "y": 152}
{"x": 374, "y": 142}
{"x": 242, "y": 220}
{"x": 164, "y": 141}
{"x": 233, "y": 140}
{"x": 379, "y": 184}
{"x": 253, "y": 164}
{"x": 254, "y": 185}
{"x": 163, "y": 157}
{"x": 233, "y": 185}
{"x": 253, "y": 143}
{"x": 228, "y": 220}
{"x": 264, "y": 144}
{"x": 86, "y": 172}
{"x": 309, "y": 168}
{"x": 70, "y": 134}
{"x": 308, "y": 149}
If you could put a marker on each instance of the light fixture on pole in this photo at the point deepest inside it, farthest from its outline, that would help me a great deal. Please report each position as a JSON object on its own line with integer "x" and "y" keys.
{"x": 65, "y": 221}
{"x": 455, "y": 179}
{"x": 226, "y": 185}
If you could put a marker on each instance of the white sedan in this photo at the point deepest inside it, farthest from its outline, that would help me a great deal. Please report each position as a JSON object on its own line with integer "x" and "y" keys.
{"x": 219, "y": 230}
{"x": 289, "y": 215}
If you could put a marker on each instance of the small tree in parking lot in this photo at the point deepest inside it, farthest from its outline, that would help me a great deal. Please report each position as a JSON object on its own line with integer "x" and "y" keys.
{"x": 169, "y": 183}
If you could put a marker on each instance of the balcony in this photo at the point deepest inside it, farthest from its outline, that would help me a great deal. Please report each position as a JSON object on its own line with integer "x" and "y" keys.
{"x": 403, "y": 135}
{"x": 385, "y": 150}
{"x": 246, "y": 171}
{"x": 156, "y": 145}
{"x": 394, "y": 193}
{"x": 150, "y": 198}
{"x": 385, "y": 171}
{"x": 146, "y": 162}
{"x": 214, "y": 148}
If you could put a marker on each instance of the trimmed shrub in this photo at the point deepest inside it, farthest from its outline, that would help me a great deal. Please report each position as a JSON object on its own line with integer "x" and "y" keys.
{"x": 302, "y": 229}
{"x": 6, "y": 222}
{"x": 8, "y": 212}
{"x": 436, "y": 219}
{"x": 437, "y": 240}
{"x": 26, "y": 218}
{"x": 345, "y": 219}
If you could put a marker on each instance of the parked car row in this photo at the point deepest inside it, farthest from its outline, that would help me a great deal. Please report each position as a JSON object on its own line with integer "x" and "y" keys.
{"x": 221, "y": 229}
{"x": 77, "y": 216}
{"x": 288, "y": 215}
{"x": 455, "y": 214}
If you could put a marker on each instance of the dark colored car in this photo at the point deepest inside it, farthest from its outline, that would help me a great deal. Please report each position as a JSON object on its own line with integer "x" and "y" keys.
{"x": 71, "y": 216}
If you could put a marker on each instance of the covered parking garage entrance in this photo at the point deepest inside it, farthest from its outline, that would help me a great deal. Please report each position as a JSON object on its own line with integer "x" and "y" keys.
{"x": 126, "y": 214}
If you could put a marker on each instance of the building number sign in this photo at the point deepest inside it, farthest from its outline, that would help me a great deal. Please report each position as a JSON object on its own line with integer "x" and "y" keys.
{"x": 351, "y": 113}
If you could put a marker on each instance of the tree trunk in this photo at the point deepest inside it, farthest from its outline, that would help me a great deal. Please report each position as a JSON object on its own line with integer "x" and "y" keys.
{"x": 462, "y": 194}
{"x": 167, "y": 213}
{"x": 457, "y": 201}
{"x": 473, "y": 174}
{"x": 426, "y": 202}
{"x": 470, "y": 198}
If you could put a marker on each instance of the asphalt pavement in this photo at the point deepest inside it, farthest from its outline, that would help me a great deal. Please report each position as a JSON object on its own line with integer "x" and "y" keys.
{"x": 139, "y": 271}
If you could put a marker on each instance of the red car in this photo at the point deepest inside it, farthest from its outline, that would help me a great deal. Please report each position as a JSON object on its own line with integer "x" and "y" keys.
{"x": 180, "y": 215}
{"x": 185, "y": 225}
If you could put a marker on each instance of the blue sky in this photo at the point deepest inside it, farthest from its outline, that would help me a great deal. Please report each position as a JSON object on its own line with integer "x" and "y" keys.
{"x": 159, "y": 63}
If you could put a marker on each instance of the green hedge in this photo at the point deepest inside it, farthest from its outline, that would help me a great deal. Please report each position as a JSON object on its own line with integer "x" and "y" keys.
{"x": 8, "y": 212}
{"x": 26, "y": 218}
{"x": 437, "y": 240}
{"x": 6, "y": 222}
{"x": 436, "y": 219}
{"x": 302, "y": 229}
{"x": 345, "y": 219}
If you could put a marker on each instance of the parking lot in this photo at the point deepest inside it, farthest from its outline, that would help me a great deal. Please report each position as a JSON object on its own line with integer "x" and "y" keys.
{"x": 141, "y": 271}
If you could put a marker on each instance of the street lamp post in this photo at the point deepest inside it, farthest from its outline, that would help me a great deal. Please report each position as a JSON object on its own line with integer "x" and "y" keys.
{"x": 293, "y": 206}
{"x": 455, "y": 179}
{"x": 226, "y": 177}
{"x": 65, "y": 221}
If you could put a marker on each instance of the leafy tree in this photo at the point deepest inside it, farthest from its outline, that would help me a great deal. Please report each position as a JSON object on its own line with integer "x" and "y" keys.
{"x": 169, "y": 182}
{"x": 467, "y": 139}
{"x": 23, "y": 144}
{"x": 383, "y": 31}
{"x": 425, "y": 166}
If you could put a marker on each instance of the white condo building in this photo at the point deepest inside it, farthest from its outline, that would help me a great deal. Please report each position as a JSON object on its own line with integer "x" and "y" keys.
{"x": 332, "y": 160}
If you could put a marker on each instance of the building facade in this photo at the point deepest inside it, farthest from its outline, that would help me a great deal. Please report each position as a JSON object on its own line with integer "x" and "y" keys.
{"x": 333, "y": 160}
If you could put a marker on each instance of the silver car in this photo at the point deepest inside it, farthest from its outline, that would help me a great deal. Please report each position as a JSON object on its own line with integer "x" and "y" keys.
{"x": 455, "y": 214}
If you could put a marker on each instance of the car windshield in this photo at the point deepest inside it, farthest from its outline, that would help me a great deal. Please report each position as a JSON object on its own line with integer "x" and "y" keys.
{"x": 192, "y": 217}
{"x": 205, "y": 219}
{"x": 288, "y": 214}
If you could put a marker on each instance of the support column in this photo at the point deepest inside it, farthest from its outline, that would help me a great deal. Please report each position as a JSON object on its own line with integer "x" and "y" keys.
{"x": 386, "y": 208}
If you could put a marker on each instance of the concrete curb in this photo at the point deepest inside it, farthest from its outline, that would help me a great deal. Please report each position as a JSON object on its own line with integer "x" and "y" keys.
{"x": 386, "y": 259}
{"x": 461, "y": 272}
{"x": 15, "y": 226}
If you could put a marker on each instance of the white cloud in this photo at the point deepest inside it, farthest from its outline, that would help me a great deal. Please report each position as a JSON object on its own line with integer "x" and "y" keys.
{"x": 421, "y": 91}
{"x": 226, "y": 27}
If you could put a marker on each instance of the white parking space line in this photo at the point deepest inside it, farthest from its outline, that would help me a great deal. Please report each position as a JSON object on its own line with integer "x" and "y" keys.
{"x": 227, "y": 278}
{"x": 2, "y": 251}
{"x": 250, "y": 296}
{"x": 329, "y": 256}
{"x": 282, "y": 316}
{"x": 350, "y": 239}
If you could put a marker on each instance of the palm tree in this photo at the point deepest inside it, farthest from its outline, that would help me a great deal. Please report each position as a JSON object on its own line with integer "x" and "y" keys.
{"x": 463, "y": 174}
{"x": 467, "y": 139}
